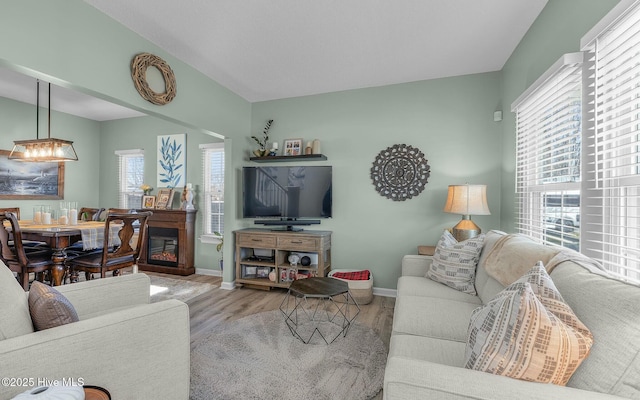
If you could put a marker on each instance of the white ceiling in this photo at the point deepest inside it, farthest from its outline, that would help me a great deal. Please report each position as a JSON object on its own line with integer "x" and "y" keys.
{"x": 265, "y": 50}
{"x": 271, "y": 49}
{"x": 16, "y": 86}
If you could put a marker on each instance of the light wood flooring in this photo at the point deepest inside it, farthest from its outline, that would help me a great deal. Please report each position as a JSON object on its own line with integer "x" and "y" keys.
{"x": 218, "y": 306}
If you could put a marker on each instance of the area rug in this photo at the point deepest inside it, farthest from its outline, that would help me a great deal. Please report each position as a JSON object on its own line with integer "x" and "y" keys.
{"x": 166, "y": 288}
{"x": 257, "y": 357}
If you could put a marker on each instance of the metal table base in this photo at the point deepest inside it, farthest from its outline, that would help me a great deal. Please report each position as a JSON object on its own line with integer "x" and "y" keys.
{"x": 309, "y": 314}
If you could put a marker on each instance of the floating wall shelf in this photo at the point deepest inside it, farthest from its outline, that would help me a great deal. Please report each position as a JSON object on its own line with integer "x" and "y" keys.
{"x": 303, "y": 157}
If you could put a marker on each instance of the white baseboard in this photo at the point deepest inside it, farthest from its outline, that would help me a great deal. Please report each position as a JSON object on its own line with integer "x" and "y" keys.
{"x": 385, "y": 292}
{"x": 215, "y": 272}
{"x": 210, "y": 272}
{"x": 228, "y": 285}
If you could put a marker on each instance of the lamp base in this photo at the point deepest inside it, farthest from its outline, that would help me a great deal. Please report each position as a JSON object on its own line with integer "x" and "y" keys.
{"x": 466, "y": 229}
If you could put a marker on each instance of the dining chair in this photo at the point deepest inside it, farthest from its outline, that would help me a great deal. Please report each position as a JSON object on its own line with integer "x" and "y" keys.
{"x": 121, "y": 210}
{"x": 90, "y": 214}
{"x": 28, "y": 244}
{"x": 14, "y": 210}
{"x": 16, "y": 257}
{"x": 115, "y": 254}
{"x": 124, "y": 211}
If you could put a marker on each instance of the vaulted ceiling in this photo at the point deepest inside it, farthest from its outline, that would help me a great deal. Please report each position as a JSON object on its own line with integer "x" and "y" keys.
{"x": 265, "y": 50}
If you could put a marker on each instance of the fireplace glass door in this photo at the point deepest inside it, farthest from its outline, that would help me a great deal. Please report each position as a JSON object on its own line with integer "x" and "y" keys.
{"x": 163, "y": 246}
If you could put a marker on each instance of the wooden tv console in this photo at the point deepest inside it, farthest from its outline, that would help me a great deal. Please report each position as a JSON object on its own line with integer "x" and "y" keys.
{"x": 261, "y": 252}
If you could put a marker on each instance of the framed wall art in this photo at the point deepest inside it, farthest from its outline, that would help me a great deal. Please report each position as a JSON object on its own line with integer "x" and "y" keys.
{"x": 172, "y": 160}
{"x": 26, "y": 180}
{"x": 400, "y": 172}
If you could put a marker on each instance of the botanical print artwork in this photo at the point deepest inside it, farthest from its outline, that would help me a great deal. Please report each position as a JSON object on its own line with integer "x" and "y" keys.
{"x": 171, "y": 160}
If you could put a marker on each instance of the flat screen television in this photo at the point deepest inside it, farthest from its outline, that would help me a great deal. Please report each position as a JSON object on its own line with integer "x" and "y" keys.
{"x": 291, "y": 195}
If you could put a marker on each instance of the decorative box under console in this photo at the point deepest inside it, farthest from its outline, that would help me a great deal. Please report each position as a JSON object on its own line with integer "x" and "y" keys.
{"x": 262, "y": 256}
{"x": 169, "y": 247}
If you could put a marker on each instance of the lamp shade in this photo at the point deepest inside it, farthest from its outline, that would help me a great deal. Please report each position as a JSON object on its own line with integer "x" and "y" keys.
{"x": 467, "y": 200}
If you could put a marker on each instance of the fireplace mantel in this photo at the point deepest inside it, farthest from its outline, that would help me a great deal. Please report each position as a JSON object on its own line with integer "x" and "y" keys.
{"x": 184, "y": 223}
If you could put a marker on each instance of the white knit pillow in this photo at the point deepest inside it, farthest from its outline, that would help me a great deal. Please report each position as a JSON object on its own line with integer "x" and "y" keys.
{"x": 454, "y": 263}
{"x": 528, "y": 332}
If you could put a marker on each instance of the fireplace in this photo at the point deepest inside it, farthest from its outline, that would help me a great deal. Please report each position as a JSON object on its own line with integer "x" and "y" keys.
{"x": 163, "y": 247}
{"x": 169, "y": 246}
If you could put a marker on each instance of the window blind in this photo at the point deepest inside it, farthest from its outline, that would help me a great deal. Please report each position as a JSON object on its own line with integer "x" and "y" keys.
{"x": 548, "y": 154}
{"x": 213, "y": 182}
{"x": 130, "y": 178}
{"x": 611, "y": 232}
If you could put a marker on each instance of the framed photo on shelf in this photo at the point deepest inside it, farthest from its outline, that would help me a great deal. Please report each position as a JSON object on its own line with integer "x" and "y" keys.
{"x": 250, "y": 272}
{"x": 263, "y": 272}
{"x": 164, "y": 199}
{"x": 148, "y": 201}
{"x": 292, "y": 147}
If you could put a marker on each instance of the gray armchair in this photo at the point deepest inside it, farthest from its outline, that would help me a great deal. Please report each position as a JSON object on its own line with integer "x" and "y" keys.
{"x": 123, "y": 343}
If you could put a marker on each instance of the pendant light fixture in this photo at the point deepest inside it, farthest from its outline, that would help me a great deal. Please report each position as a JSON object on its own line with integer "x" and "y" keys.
{"x": 39, "y": 150}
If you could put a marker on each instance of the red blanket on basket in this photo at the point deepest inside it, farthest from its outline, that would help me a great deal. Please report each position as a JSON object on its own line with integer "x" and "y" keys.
{"x": 353, "y": 276}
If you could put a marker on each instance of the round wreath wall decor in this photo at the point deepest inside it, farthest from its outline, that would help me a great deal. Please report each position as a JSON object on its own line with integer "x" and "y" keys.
{"x": 139, "y": 66}
{"x": 400, "y": 172}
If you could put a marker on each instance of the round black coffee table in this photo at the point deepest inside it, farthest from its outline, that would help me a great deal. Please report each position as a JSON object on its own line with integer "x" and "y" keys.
{"x": 320, "y": 306}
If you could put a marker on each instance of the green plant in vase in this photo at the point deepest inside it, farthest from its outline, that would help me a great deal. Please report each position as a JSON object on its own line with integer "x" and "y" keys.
{"x": 264, "y": 142}
{"x": 219, "y": 247}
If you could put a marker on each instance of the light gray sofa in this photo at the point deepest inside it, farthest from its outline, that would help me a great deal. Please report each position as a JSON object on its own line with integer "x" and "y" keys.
{"x": 427, "y": 348}
{"x": 134, "y": 349}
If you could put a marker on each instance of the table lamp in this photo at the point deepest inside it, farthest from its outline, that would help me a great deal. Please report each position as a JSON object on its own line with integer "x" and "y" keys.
{"x": 467, "y": 200}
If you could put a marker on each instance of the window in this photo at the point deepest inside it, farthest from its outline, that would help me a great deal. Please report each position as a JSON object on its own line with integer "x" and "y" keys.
{"x": 549, "y": 138}
{"x": 130, "y": 178}
{"x": 552, "y": 192}
{"x": 213, "y": 175}
{"x": 611, "y": 224}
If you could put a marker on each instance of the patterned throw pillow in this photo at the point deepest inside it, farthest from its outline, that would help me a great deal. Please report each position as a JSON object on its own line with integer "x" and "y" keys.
{"x": 49, "y": 308}
{"x": 528, "y": 332}
{"x": 543, "y": 286}
{"x": 454, "y": 263}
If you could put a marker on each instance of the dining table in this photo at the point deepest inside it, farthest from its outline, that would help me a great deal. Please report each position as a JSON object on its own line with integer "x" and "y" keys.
{"x": 59, "y": 237}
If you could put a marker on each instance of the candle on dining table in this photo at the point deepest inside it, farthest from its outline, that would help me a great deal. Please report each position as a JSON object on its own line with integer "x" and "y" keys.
{"x": 46, "y": 218}
{"x": 73, "y": 216}
{"x": 37, "y": 217}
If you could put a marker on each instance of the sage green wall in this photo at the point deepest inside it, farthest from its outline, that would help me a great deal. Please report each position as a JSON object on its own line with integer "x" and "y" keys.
{"x": 142, "y": 133}
{"x": 19, "y": 122}
{"x": 71, "y": 44}
{"x": 450, "y": 120}
{"x": 556, "y": 31}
